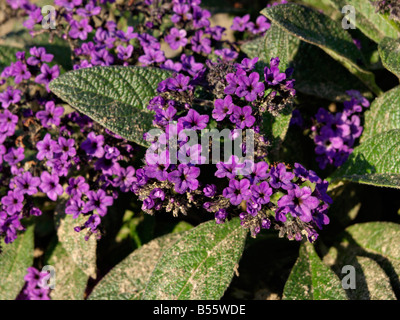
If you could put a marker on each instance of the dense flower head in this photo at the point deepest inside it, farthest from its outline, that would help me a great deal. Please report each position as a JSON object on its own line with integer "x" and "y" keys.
{"x": 335, "y": 134}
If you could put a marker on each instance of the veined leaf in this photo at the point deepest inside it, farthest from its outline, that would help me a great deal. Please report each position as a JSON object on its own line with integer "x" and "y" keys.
{"x": 389, "y": 50}
{"x": 70, "y": 280}
{"x": 371, "y": 23}
{"x": 115, "y": 97}
{"x": 82, "y": 252}
{"x": 318, "y": 29}
{"x": 280, "y": 43}
{"x": 376, "y": 161}
{"x": 128, "y": 279}
{"x": 16, "y": 258}
{"x": 189, "y": 271}
{"x": 311, "y": 279}
{"x": 372, "y": 248}
{"x": 383, "y": 114}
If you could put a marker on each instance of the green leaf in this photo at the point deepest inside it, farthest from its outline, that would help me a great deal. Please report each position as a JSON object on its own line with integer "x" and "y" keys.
{"x": 324, "y": 77}
{"x": 389, "y": 50}
{"x": 116, "y": 97}
{"x": 311, "y": 279}
{"x": 82, "y": 253}
{"x": 275, "y": 128}
{"x": 16, "y": 258}
{"x": 189, "y": 271}
{"x": 127, "y": 280}
{"x": 280, "y": 43}
{"x": 318, "y": 29}
{"x": 373, "y": 249}
{"x": 383, "y": 114}
{"x": 70, "y": 280}
{"x": 367, "y": 20}
{"x": 376, "y": 161}
{"x": 254, "y": 48}
{"x": 7, "y": 55}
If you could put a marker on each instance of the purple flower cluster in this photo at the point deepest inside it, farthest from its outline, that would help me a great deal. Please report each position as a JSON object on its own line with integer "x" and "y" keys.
{"x": 335, "y": 134}
{"x": 294, "y": 201}
{"x": 391, "y": 7}
{"x": 48, "y": 153}
{"x": 34, "y": 288}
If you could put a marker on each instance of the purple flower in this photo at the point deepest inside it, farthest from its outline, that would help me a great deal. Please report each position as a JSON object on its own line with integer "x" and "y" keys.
{"x": 9, "y": 226}
{"x": 190, "y": 65}
{"x": 200, "y": 44}
{"x": 39, "y": 55}
{"x": 181, "y": 12}
{"x": 193, "y": 120}
{"x": 152, "y": 56}
{"x": 124, "y": 53}
{"x": 90, "y": 10}
{"x": 172, "y": 66}
{"x": 250, "y": 87}
{"x": 47, "y": 75}
{"x": 184, "y": 178}
{"x": 51, "y": 115}
{"x": 77, "y": 187}
{"x": 210, "y": 190}
{"x": 176, "y": 38}
{"x": 226, "y": 54}
{"x": 13, "y": 202}
{"x": 222, "y": 108}
{"x": 26, "y": 184}
{"x": 14, "y": 156}
{"x": 99, "y": 201}
{"x": 46, "y": 147}
{"x": 220, "y": 216}
{"x": 80, "y": 29}
{"x": 9, "y": 96}
{"x": 102, "y": 58}
{"x": 93, "y": 145}
{"x": 247, "y": 64}
{"x": 20, "y": 72}
{"x": 35, "y": 16}
{"x": 300, "y": 202}
{"x": 242, "y": 117}
{"x": 280, "y": 178}
{"x": 75, "y": 207}
{"x": 260, "y": 26}
{"x": 262, "y": 192}
{"x": 65, "y": 147}
{"x": 237, "y": 191}
{"x": 229, "y": 169}
{"x": 272, "y": 75}
{"x": 239, "y": 24}
{"x": 50, "y": 185}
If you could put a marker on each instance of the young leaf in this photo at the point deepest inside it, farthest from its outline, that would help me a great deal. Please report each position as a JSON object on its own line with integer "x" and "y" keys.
{"x": 16, "y": 258}
{"x": 115, "y": 97}
{"x": 311, "y": 279}
{"x": 127, "y": 280}
{"x": 373, "y": 250}
{"x": 383, "y": 114}
{"x": 82, "y": 253}
{"x": 70, "y": 280}
{"x": 371, "y": 23}
{"x": 189, "y": 271}
{"x": 318, "y": 29}
{"x": 389, "y": 50}
{"x": 376, "y": 161}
